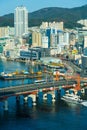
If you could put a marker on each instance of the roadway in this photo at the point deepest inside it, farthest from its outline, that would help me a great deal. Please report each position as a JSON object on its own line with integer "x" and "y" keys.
{"x": 30, "y": 88}
{"x": 74, "y": 67}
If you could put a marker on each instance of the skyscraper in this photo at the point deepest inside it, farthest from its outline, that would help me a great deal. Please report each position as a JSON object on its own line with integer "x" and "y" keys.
{"x": 20, "y": 21}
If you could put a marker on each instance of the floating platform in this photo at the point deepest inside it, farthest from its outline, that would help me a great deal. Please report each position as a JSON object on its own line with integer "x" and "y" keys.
{"x": 18, "y": 77}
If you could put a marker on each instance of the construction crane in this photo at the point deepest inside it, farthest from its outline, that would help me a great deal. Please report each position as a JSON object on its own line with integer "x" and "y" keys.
{"x": 77, "y": 78}
{"x": 67, "y": 77}
{"x": 61, "y": 76}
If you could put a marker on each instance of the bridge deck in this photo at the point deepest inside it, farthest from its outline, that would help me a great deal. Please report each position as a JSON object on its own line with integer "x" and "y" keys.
{"x": 30, "y": 88}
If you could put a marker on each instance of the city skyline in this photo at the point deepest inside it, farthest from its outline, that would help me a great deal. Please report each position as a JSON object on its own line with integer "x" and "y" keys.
{"x": 33, "y": 5}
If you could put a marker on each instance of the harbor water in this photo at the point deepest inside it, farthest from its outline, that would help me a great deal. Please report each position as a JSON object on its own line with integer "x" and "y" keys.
{"x": 43, "y": 116}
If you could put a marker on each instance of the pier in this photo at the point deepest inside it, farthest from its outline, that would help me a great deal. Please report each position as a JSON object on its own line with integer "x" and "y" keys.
{"x": 18, "y": 77}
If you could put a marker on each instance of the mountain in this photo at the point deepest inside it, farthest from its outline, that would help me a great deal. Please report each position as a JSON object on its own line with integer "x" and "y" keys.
{"x": 50, "y": 14}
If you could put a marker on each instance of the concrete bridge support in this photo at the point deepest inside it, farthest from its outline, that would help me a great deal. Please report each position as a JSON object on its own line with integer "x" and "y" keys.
{"x": 30, "y": 99}
{"x": 62, "y": 92}
{"x": 45, "y": 96}
{"x": 26, "y": 99}
{"x": 57, "y": 95}
{"x": 53, "y": 97}
{"x": 33, "y": 99}
{"x": 6, "y": 105}
{"x": 49, "y": 96}
{"x": 17, "y": 98}
{"x": 40, "y": 96}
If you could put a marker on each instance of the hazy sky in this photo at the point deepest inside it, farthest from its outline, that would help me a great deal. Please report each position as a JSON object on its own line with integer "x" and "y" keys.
{"x": 8, "y": 6}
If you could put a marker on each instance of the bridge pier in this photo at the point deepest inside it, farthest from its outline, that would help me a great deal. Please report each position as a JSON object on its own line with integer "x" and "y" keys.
{"x": 30, "y": 99}
{"x": 17, "y": 98}
{"x": 40, "y": 96}
{"x": 53, "y": 97}
{"x": 45, "y": 96}
{"x": 57, "y": 94}
{"x": 33, "y": 99}
{"x": 49, "y": 96}
{"x": 26, "y": 99}
{"x": 6, "y": 105}
{"x": 62, "y": 92}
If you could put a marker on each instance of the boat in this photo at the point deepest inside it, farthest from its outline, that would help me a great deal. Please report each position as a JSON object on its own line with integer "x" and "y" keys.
{"x": 72, "y": 98}
{"x": 84, "y": 103}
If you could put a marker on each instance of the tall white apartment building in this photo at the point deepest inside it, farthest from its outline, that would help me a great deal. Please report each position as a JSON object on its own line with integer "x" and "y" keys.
{"x": 20, "y": 21}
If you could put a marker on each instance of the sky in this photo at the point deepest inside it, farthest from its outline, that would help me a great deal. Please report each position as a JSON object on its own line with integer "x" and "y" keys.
{"x": 8, "y": 6}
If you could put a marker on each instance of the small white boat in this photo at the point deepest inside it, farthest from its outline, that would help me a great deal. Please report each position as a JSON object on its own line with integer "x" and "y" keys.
{"x": 72, "y": 98}
{"x": 84, "y": 103}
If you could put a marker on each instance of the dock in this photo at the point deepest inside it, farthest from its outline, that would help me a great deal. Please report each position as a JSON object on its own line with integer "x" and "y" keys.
{"x": 18, "y": 77}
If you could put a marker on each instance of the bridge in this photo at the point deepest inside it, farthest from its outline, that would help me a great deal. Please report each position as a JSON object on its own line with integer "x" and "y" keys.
{"x": 33, "y": 88}
{"x": 40, "y": 90}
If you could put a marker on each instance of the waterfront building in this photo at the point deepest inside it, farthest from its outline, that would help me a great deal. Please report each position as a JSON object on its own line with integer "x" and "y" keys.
{"x": 31, "y": 54}
{"x": 21, "y": 21}
{"x": 45, "y": 52}
{"x": 47, "y": 60}
{"x": 12, "y": 50}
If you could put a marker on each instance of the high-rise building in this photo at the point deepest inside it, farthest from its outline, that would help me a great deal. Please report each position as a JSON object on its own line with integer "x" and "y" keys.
{"x": 36, "y": 39}
{"x": 20, "y": 21}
